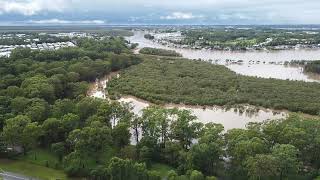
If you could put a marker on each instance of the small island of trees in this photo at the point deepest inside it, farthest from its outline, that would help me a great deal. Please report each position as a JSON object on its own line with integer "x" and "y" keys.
{"x": 159, "y": 52}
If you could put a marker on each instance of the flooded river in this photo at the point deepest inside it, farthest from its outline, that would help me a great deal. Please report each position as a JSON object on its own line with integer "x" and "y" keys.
{"x": 266, "y": 64}
{"x": 230, "y": 118}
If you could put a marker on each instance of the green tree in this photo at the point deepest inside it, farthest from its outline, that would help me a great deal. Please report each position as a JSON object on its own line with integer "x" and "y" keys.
{"x": 38, "y": 87}
{"x": 75, "y": 164}
{"x": 287, "y": 159}
{"x": 59, "y": 149}
{"x": 206, "y": 158}
{"x": 171, "y": 153}
{"x": 212, "y": 133}
{"x": 262, "y": 167}
{"x": 85, "y": 140}
{"x": 120, "y": 169}
{"x": 196, "y": 175}
{"x": 184, "y": 128}
{"x": 70, "y": 122}
{"x": 87, "y": 107}
{"x": 121, "y": 135}
{"x": 19, "y": 104}
{"x": 172, "y": 175}
{"x": 155, "y": 123}
{"x": 53, "y": 131}
{"x": 38, "y": 110}
{"x": 20, "y": 131}
{"x": 62, "y": 107}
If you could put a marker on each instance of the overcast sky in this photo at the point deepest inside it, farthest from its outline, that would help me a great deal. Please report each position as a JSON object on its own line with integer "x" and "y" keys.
{"x": 160, "y": 11}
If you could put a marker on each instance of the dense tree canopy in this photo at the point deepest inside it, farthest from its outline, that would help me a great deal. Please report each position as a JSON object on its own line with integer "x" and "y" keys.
{"x": 201, "y": 83}
{"x": 159, "y": 52}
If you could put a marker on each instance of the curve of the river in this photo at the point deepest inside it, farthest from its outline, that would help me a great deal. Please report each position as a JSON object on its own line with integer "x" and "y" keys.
{"x": 266, "y": 64}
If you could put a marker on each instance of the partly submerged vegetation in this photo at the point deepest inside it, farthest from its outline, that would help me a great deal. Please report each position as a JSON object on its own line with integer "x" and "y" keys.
{"x": 159, "y": 52}
{"x": 177, "y": 81}
{"x": 313, "y": 67}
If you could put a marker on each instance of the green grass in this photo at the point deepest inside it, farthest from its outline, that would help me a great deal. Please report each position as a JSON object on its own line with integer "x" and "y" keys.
{"x": 162, "y": 169}
{"x": 43, "y": 164}
{"x": 32, "y": 170}
{"x": 41, "y": 157}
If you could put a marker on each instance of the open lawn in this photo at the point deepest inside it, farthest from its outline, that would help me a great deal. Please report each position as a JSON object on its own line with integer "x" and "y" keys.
{"x": 32, "y": 170}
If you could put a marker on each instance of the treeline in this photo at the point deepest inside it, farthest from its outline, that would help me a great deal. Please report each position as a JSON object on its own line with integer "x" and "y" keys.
{"x": 201, "y": 83}
{"x": 313, "y": 67}
{"x": 30, "y": 38}
{"x": 275, "y": 149}
{"x": 159, "y": 52}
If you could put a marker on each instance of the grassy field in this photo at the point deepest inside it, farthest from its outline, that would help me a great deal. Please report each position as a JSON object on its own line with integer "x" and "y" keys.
{"x": 32, "y": 170}
{"x": 41, "y": 157}
{"x": 42, "y": 164}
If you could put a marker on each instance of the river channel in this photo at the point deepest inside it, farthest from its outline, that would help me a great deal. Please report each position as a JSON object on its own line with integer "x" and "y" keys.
{"x": 265, "y": 64}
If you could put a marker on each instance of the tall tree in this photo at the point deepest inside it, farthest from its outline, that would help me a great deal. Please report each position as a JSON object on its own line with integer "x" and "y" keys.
{"x": 184, "y": 128}
{"x": 21, "y": 132}
{"x": 262, "y": 167}
{"x": 287, "y": 159}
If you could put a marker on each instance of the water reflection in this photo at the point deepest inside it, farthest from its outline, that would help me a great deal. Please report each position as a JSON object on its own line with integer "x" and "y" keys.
{"x": 266, "y": 64}
{"x": 229, "y": 118}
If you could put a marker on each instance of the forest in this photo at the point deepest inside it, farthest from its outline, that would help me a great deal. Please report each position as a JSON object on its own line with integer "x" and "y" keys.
{"x": 159, "y": 52}
{"x": 48, "y": 121}
{"x": 171, "y": 80}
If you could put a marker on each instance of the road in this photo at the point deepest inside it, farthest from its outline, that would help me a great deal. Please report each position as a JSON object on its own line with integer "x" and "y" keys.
{"x": 13, "y": 176}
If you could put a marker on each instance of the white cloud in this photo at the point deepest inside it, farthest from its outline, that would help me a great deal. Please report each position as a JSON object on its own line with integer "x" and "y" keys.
{"x": 32, "y": 7}
{"x": 59, "y": 21}
{"x": 181, "y": 16}
{"x": 211, "y": 11}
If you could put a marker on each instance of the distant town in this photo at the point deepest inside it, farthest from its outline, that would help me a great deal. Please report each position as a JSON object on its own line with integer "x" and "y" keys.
{"x": 245, "y": 39}
{"x": 52, "y": 41}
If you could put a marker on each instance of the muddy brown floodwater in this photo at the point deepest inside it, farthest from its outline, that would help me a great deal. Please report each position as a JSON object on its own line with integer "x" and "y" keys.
{"x": 266, "y": 64}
